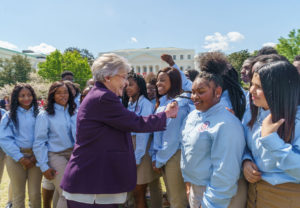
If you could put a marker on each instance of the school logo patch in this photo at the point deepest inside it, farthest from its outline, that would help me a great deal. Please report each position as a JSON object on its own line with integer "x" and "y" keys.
{"x": 204, "y": 126}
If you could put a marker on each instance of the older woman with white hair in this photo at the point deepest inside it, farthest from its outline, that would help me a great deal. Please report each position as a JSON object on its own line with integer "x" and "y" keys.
{"x": 102, "y": 167}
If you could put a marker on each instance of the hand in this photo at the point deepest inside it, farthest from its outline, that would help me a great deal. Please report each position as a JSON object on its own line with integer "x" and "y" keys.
{"x": 157, "y": 170}
{"x": 33, "y": 159}
{"x": 26, "y": 163}
{"x": 268, "y": 127}
{"x": 188, "y": 188}
{"x": 167, "y": 58}
{"x": 251, "y": 172}
{"x": 50, "y": 173}
{"x": 172, "y": 110}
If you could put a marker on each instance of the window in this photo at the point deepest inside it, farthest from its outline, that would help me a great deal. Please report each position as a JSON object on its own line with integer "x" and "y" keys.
{"x": 138, "y": 69}
{"x": 189, "y": 56}
{"x": 181, "y": 57}
{"x": 145, "y": 69}
{"x": 151, "y": 68}
{"x": 174, "y": 57}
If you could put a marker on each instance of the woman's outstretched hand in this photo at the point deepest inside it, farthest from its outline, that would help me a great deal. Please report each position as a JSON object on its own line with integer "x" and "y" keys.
{"x": 172, "y": 110}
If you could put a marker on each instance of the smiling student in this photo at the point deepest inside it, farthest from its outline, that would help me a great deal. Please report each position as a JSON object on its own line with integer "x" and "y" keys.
{"x": 167, "y": 144}
{"x": 17, "y": 136}
{"x": 136, "y": 100}
{"x": 273, "y": 138}
{"x": 55, "y": 135}
{"x": 212, "y": 146}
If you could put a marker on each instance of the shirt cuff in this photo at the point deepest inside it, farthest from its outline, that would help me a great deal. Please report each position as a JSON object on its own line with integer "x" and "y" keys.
{"x": 18, "y": 157}
{"x": 272, "y": 141}
{"x": 44, "y": 167}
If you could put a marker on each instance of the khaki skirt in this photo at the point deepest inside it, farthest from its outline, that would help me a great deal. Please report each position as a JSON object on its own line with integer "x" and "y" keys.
{"x": 265, "y": 195}
{"x": 145, "y": 172}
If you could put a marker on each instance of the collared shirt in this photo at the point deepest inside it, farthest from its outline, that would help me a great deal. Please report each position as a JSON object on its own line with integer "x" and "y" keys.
{"x": 11, "y": 138}
{"x": 212, "y": 147}
{"x": 53, "y": 133}
{"x": 276, "y": 160}
{"x": 142, "y": 107}
{"x": 166, "y": 143}
{"x": 225, "y": 100}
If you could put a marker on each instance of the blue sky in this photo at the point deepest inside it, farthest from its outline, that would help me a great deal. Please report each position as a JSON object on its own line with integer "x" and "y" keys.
{"x": 100, "y": 26}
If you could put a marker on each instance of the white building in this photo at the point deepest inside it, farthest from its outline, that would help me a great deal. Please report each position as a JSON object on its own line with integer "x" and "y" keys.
{"x": 147, "y": 60}
{"x": 34, "y": 58}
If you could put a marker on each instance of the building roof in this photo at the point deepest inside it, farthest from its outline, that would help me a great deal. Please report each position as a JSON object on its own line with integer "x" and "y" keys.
{"x": 34, "y": 55}
{"x": 151, "y": 49}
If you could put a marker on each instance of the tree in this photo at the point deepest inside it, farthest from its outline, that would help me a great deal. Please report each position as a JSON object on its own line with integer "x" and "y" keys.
{"x": 289, "y": 47}
{"x": 83, "y": 52}
{"x": 72, "y": 61}
{"x": 16, "y": 69}
{"x": 237, "y": 59}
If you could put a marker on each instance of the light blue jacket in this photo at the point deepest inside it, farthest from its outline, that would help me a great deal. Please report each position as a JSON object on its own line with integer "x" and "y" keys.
{"x": 144, "y": 108}
{"x": 186, "y": 84}
{"x": 11, "y": 138}
{"x": 166, "y": 143}
{"x": 212, "y": 148}
{"x": 276, "y": 160}
{"x": 53, "y": 133}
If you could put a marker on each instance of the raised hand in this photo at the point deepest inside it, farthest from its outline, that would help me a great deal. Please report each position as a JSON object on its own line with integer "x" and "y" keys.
{"x": 268, "y": 127}
{"x": 251, "y": 172}
{"x": 172, "y": 110}
{"x": 167, "y": 58}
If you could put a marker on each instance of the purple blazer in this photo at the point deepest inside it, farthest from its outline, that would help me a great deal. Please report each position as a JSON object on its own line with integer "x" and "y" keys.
{"x": 103, "y": 159}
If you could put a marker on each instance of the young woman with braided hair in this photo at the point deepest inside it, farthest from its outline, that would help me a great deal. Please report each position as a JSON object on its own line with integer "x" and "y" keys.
{"x": 136, "y": 100}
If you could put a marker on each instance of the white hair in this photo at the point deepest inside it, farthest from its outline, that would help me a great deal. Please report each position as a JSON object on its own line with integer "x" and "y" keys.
{"x": 109, "y": 64}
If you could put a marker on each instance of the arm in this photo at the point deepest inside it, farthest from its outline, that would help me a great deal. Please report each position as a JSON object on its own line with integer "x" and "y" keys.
{"x": 286, "y": 155}
{"x": 40, "y": 148}
{"x": 226, "y": 165}
{"x": 7, "y": 139}
{"x": 117, "y": 116}
{"x": 186, "y": 83}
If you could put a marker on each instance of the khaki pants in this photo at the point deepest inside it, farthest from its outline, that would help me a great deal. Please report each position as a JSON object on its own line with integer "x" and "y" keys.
{"x": 174, "y": 182}
{"x": 265, "y": 195}
{"x": 2, "y": 161}
{"x": 18, "y": 177}
{"x": 58, "y": 161}
{"x": 155, "y": 194}
{"x": 238, "y": 201}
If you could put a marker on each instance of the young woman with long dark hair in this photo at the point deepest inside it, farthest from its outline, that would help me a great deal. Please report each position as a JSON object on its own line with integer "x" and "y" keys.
{"x": 55, "y": 135}
{"x": 136, "y": 100}
{"x": 271, "y": 164}
{"x": 166, "y": 144}
{"x": 17, "y": 136}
